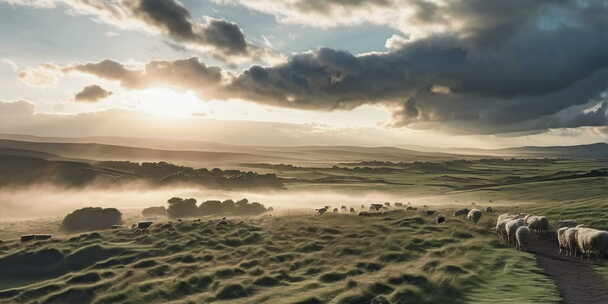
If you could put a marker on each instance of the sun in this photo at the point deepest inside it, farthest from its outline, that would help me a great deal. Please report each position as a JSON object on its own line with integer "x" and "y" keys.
{"x": 167, "y": 102}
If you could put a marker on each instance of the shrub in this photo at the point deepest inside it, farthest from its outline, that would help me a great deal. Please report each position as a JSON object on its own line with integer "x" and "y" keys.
{"x": 228, "y": 206}
{"x": 243, "y": 207}
{"x": 210, "y": 208}
{"x": 179, "y": 207}
{"x": 90, "y": 218}
{"x": 154, "y": 211}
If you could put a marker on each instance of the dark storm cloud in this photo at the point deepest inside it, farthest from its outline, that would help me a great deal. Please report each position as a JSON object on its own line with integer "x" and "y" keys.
{"x": 171, "y": 17}
{"x": 222, "y": 39}
{"x": 92, "y": 93}
{"x": 515, "y": 66}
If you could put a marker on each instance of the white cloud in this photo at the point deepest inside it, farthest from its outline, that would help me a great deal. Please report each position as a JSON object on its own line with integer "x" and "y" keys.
{"x": 45, "y": 75}
{"x": 10, "y": 63}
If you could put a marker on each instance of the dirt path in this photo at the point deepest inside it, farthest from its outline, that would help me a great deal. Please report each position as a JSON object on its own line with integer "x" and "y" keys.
{"x": 576, "y": 280}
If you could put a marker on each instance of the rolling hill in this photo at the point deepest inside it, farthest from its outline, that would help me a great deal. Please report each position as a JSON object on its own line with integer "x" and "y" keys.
{"x": 194, "y": 153}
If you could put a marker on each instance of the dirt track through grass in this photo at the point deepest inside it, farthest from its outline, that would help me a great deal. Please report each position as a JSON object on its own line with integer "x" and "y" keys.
{"x": 578, "y": 283}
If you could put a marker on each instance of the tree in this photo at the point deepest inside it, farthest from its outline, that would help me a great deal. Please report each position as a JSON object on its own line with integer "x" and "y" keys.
{"x": 179, "y": 207}
{"x": 91, "y": 218}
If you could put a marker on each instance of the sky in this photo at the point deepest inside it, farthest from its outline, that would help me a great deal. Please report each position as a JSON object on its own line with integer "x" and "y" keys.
{"x": 443, "y": 73}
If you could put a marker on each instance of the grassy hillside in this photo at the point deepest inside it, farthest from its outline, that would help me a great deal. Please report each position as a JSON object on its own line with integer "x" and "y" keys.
{"x": 402, "y": 256}
{"x": 339, "y": 258}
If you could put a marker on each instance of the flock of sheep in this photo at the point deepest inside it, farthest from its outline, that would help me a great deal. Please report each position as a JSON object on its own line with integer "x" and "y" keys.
{"x": 372, "y": 207}
{"x": 516, "y": 230}
{"x": 582, "y": 241}
{"x": 574, "y": 240}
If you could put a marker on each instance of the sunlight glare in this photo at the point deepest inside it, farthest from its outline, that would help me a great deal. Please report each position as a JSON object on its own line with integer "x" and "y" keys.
{"x": 167, "y": 102}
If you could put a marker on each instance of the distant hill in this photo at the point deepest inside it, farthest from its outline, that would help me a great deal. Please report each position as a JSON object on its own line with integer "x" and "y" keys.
{"x": 592, "y": 151}
{"x": 597, "y": 151}
{"x": 101, "y": 152}
{"x": 204, "y": 153}
{"x": 196, "y": 153}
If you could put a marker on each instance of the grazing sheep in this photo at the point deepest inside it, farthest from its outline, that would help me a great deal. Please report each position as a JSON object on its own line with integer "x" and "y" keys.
{"x": 501, "y": 230}
{"x": 463, "y": 211}
{"x": 387, "y": 204}
{"x": 474, "y": 215}
{"x": 570, "y": 242}
{"x": 561, "y": 240}
{"x": 399, "y": 205}
{"x": 440, "y": 219}
{"x": 592, "y": 242}
{"x": 522, "y": 235}
{"x": 538, "y": 224}
{"x": 511, "y": 227}
{"x": 336, "y": 210}
{"x": 352, "y": 210}
{"x": 376, "y": 207}
{"x": 566, "y": 223}
{"x": 321, "y": 211}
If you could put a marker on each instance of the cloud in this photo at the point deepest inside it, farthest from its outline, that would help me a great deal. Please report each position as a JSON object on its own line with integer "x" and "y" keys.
{"x": 501, "y": 70}
{"x": 479, "y": 20}
{"x": 185, "y": 75}
{"x": 10, "y": 63}
{"x": 222, "y": 39}
{"x": 92, "y": 93}
{"x": 42, "y": 76}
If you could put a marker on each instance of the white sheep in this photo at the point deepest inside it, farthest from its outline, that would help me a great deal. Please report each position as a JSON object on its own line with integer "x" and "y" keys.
{"x": 538, "y": 224}
{"x": 561, "y": 240}
{"x": 501, "y": 222}
{"x": 511, "y": 228}
{"x": 570, "y": 241}
{"x": 522, "y": 235}
{"x": 592, "y": 241}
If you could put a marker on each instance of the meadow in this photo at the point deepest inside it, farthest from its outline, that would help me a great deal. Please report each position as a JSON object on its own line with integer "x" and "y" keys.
{"x": 293, "y": 255}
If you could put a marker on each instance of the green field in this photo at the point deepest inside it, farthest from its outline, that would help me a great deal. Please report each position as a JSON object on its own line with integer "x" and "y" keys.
{"x": 299, "y": 257}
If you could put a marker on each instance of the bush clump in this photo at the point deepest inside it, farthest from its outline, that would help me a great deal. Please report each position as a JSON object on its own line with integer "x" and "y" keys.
{"x": 179, "y": 207}
{"x": 154, "y": 211}
{"x": 91, "y": 218}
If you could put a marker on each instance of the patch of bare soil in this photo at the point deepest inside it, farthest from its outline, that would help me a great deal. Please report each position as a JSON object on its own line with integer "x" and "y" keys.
{"x": 578, "y": 283}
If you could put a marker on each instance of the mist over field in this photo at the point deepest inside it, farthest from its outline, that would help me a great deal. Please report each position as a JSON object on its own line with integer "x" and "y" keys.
{"x": 43, "y": 201}
{"x": 303, "y": 151}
